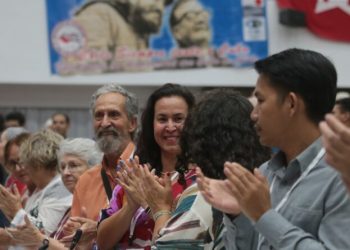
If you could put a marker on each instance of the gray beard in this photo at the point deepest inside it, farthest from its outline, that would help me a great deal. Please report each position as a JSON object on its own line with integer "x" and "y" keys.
{"x": 111, "y": 144}
{"x": 143, "y": 26}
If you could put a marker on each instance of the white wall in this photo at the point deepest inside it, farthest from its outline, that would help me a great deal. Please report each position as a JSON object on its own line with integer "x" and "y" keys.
{"x": 26, "y": 82}
{"x": 25, "y": 79}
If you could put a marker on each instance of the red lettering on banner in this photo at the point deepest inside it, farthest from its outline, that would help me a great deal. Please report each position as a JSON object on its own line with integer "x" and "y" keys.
{"x": 238, "y": 49}
{"x": 124, "y": 52}
{"x": 190, "y": 52}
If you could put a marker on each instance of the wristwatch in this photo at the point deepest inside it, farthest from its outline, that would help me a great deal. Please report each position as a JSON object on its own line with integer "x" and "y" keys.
{"x": 45, "y": 244}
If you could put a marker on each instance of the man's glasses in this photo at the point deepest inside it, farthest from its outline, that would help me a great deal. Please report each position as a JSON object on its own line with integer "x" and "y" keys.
{"x": 192, "y": 15}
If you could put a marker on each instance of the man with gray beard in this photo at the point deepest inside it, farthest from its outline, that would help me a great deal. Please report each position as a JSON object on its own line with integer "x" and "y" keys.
{"x": 114, "y": 113}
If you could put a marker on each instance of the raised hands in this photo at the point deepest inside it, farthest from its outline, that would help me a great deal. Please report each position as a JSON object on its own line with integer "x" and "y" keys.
{"x": 158, "y": 192}
{"x": 71, "y": 226}
{"x": 131, "y": 180}
{"x": 26, "y": 235}
{"x": 336, "y": 140}
{"x": 30, "y": 237}
{"x": 144, "y": 188}
{"x": 217, "y": 193}
{"x": 6, "y": 239}
{"x": 10, "y": 201}
{"x": 89, "y": 228}
{"x": 251, "y": 190}
{"x": 242, "y": 191}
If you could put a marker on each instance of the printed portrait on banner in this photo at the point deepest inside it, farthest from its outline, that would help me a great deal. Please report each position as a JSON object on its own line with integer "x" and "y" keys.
{"x": 101, "y": 36}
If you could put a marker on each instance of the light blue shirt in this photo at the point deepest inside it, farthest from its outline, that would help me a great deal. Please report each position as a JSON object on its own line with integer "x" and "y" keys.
{"x": 316, "y": 215}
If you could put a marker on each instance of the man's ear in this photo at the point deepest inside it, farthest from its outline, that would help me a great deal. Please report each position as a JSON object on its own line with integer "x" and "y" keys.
{"x": 293, "y": 102}
{"x": 132, "y": 125}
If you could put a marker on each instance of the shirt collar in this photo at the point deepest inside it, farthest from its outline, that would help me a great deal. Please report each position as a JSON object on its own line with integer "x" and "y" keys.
{"x": 306, "y": 157}
{"x": 277, "y": 164}
{"x": 296, "y": 166}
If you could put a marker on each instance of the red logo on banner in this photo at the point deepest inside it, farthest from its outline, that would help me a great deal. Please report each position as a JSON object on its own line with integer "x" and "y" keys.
{"x": 326, "y": 5}
{"x": 326, "y": 18}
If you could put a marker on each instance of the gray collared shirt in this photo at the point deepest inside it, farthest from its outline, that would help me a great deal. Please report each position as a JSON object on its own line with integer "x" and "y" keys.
{"x": 317, "y": 213}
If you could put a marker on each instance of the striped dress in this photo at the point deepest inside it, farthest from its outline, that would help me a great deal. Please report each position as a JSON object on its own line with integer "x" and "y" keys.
{"x": 193, "y": 225}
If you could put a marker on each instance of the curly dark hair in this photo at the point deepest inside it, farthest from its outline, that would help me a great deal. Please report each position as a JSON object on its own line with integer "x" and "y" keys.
{"x": 219, "y": 129}
{"x": 147, "y": 148}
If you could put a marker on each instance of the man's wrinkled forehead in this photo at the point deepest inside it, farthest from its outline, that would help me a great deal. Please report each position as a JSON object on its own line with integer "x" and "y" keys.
{"x": 144, "y": 2}
{"x": 189, "y": 6}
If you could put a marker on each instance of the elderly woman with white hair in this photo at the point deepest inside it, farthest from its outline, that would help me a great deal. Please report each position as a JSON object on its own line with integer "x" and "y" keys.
{"x": 75, "y": 156}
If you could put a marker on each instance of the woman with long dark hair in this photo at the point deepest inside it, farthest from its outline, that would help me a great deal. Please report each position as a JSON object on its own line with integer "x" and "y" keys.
{"x": 127, "y": 217}
{"x": 218, "y": 129}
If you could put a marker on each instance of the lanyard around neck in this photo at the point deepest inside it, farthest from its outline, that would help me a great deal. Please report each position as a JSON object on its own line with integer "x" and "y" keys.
{"x": 311, "y": 166}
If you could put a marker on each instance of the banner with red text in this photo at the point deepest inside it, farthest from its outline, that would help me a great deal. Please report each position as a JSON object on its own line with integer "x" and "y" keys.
{"x": 101, "y": 36}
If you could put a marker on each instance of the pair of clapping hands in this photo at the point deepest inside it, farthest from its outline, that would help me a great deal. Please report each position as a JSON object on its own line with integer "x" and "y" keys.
{"x": 87, "y": 226}
{"x": 29, "y": 236}
{"x": 143, "y": 187}
{"x": 241, "y": 191}
{"x": 10, "y": 201}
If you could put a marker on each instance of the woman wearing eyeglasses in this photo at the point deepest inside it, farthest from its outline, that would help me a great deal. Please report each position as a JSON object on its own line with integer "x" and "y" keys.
{"x": 19, "y": 185}
{"x": 75, "y": 156}
{"x": 18, "y": 173}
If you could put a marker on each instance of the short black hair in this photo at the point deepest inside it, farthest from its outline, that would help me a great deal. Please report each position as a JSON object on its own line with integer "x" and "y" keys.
{"x": 147, "y": 148}
{"x": 344, "y": 104}
{"x": 219, "y": 129}
{"x": 17, "y": 116}
{"x": 306, "y": 73}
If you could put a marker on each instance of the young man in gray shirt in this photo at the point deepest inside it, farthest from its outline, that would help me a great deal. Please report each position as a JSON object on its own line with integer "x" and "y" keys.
{"x": 294, "y": 201}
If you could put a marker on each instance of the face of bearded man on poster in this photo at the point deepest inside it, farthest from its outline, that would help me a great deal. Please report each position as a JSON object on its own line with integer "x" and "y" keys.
{"x": 146, "y": 15}
{"x": 190, "y": 24}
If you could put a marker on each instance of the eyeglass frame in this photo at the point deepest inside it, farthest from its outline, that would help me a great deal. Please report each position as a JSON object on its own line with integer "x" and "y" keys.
{"x": 12, "y": 164}
{"x": 189, "y": 15}
{"x": 71, "y": 168}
